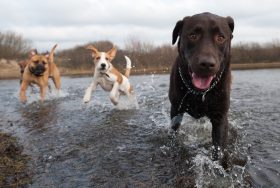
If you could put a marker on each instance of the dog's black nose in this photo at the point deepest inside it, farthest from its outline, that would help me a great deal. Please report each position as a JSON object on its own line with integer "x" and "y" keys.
{"x": 103, "y": 65}
{"x": 207, "y": 65}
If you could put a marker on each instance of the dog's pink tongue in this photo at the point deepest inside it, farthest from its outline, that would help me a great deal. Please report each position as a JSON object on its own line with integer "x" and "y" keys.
{"x": 201, "y": 82}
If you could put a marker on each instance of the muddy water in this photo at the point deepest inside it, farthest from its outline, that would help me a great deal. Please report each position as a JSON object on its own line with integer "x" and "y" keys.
{"x": 72, "y": 144}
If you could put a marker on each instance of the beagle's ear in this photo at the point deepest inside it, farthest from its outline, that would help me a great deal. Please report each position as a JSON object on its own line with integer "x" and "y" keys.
{"x": 112, "y": 53}
{"x": 93, "y": 49}
{"x": 177, "y": 31}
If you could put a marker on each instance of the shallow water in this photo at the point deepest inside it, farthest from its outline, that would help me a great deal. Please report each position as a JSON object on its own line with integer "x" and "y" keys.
{"x": 72, "y": 144}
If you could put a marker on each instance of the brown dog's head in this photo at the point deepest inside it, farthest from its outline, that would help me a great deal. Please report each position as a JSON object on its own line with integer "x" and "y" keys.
{"x": 39, "y": 63}
{"x": 204, "y": 46}
{"x": 102, "y": 60}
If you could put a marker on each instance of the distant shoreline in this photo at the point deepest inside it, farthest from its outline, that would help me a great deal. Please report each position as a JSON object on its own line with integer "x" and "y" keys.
{"x": 11, "y": 70}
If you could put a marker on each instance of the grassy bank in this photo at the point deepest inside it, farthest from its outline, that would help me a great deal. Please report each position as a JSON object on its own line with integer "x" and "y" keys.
{"x": 10, "y": 69}
{"x": 13, "y": 164}
{"x": 247, "y": 66}
{"x": 166, "y": 70}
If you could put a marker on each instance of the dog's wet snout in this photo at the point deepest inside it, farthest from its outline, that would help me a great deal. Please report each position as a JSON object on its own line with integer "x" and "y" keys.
{"x": 207, "y": 63}
{"x": 103, "y": 65}
{"x": 40, "y": 67}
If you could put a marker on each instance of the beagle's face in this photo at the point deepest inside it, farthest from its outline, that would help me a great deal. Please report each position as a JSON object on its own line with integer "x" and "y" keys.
{"x": 102, "y": 60}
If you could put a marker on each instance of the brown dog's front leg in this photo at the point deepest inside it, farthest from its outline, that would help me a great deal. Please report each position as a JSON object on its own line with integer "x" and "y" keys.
{"x": 23, "y": 88}
{"x": 219, "y": 134}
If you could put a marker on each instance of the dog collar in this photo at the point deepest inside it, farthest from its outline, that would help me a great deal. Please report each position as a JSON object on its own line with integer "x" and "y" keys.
{"x": 104, "y": 74}
{"x": 190, "y": 90}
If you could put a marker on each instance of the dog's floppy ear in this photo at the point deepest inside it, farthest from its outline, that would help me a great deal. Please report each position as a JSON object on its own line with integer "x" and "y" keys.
{"x": 112, "y": 53}
{"x": 177, "y": 31}
{"x": 93, "y": 49}
{"x": 230, "y": 22}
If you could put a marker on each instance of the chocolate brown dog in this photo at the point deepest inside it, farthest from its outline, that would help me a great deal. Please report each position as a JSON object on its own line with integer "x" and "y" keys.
{"x": 39, "y": 68}
{"x": 201, "y": 75}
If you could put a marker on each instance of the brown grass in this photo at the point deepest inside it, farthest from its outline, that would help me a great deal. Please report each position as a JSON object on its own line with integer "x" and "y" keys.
{"x": 246, "y": 66}
{"x": 13, "y": 164}
{"x": 10, "y": 69}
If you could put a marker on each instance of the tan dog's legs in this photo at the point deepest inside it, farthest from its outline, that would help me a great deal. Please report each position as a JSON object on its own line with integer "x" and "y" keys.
{"x": 89, "y": 90}
{"x": 56, "y": 79}
{"x": 114, "y": 94}
{"x": 43, "y": 92}
{"x": 23, "y": 88}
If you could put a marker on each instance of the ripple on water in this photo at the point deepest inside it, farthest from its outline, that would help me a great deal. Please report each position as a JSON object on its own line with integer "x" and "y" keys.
{"x": 98, "y": 145}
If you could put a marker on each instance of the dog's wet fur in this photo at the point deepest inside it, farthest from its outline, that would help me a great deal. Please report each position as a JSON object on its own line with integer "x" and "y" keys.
{"x": 201, "y": 75}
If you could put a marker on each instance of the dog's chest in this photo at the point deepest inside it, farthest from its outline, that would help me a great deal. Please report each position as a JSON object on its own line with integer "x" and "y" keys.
{"x": 194, "y": 106}
{"x": 106, "y": 83}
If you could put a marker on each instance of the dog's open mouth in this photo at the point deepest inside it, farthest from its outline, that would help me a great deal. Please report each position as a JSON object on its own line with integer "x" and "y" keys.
{"x": 200, "y": 82}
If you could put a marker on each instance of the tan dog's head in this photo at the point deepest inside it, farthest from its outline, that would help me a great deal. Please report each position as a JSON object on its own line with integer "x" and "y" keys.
{"x": 102, "y": 60}
{"x": 39, "y": 63}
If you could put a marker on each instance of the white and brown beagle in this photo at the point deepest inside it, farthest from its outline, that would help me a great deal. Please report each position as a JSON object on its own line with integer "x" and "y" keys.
{"x": 109, "y": 78}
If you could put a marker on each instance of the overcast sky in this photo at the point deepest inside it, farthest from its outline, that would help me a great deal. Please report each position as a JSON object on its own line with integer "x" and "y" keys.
{"x": 76, "y": 22}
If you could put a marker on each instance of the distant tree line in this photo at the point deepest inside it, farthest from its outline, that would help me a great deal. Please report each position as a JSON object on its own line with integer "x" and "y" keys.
{"x": 144, "y": 55}
{"x": 256, "y": 53}
{"x": 13, "y": 46}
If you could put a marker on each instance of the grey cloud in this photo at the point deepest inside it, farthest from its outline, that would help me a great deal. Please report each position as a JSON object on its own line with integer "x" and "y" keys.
{"x": 76, "y": 22}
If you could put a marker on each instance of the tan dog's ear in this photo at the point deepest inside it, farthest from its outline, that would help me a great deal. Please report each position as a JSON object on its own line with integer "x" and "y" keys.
{"x": 112, "y": 53}
{"x": 93, "y": 49}
{"x": 32, "y": 53}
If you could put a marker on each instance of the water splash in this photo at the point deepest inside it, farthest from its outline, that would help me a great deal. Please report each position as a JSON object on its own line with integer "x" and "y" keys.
{"x": 126, "y": 103}
{"x": 210, "y": 173}
{"x": 33, "y": 95}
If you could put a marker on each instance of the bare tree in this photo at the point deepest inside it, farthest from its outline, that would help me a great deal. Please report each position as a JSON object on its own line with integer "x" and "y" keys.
{"x": 13, "y": 46}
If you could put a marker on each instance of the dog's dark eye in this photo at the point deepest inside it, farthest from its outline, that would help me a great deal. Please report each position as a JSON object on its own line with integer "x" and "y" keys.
{"x": 220, "y": 39}
{"x": 107, "y": 58}
{"x": 193, "y": 37}
{"x": 44, "y": 62}
{"x": 97, "y": 58}
{"x": 36, "y": 62}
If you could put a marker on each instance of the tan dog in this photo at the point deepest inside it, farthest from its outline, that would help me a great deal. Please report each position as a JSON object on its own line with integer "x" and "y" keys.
{"x": 109, "y": 78}
{"x": 39, "y": 68}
